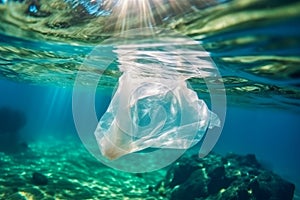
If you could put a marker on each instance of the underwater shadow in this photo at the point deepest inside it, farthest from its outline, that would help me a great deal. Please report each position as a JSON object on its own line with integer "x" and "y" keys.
{"x": 11, "y": 122}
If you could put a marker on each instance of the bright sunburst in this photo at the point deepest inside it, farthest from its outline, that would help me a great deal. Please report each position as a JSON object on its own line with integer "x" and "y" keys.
{"x": 129, "y": 14}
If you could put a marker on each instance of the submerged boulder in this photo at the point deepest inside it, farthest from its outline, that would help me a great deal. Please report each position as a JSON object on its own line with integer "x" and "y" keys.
{"x": 39, "y": 179}
{"x": 231, "y": 177}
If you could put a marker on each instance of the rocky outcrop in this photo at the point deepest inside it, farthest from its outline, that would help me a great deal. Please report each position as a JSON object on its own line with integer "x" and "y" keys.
{"x": 232, "y": 177}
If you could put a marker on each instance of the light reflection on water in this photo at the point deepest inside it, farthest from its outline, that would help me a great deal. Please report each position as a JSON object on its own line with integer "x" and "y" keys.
{"x": 255, "y": 45}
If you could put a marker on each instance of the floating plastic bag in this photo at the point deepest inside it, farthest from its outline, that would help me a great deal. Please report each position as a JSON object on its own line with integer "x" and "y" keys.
{"x": 152, "y": 112}
{"x": 154, "y": 115}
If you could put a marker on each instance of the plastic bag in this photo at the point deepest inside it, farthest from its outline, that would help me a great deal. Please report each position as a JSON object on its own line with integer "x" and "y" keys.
{"x": 152, "y": 112}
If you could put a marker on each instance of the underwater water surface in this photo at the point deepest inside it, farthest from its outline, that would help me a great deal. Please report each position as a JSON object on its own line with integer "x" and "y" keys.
{"x": 43, "y": 44}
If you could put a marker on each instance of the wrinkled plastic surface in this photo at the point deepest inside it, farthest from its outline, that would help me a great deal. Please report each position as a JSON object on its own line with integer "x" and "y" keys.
{"x": 152, "y": 112}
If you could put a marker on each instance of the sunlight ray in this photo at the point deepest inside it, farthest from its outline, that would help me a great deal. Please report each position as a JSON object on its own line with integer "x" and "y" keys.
{"x": 131, "y": 14}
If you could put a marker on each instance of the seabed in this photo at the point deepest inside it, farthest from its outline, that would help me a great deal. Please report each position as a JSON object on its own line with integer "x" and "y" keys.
{"x": 63, "y": 169}
{"x": 71, "y": 173}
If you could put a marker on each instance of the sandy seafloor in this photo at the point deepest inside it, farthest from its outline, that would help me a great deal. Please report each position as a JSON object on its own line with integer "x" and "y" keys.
{"x": 72, "y": 173}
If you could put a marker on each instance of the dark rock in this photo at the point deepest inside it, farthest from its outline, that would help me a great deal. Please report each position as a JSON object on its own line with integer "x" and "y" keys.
{"x": 229, "y": 195}
{"x": 180, "y": 172}
{"x": 217, "y": 172}
{"x": 242, "y": 194}
{"x": 254, "y": 185}
{"x": 262, "y": 193}
{"x": 194, "y": 187}
{"x": 273, "y": 187}
{"x": 254, "y": 172}
{"x": 215, "y": 185}
{"x": 39, "y": 179}
{"x": 265, "y": 176}
{"x": 285, "y": 190}
{"x": 218, "y": 179}
{"x": 233, "y": 178}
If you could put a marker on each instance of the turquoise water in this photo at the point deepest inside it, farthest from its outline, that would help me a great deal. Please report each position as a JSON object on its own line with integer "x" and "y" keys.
{"x": 254, "y": 44}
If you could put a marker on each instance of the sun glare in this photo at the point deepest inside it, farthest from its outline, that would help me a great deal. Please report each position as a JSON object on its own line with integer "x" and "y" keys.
{"x": 129, "y": 14}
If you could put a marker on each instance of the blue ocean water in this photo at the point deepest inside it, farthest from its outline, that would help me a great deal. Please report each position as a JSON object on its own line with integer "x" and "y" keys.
{"x": 48, "y": 109}
{"x": 271, "y": 134}
{"x": 258, "y": 60}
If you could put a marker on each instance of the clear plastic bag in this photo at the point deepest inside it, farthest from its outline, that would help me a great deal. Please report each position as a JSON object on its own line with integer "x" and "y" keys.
{"x": 152, "y": 112}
